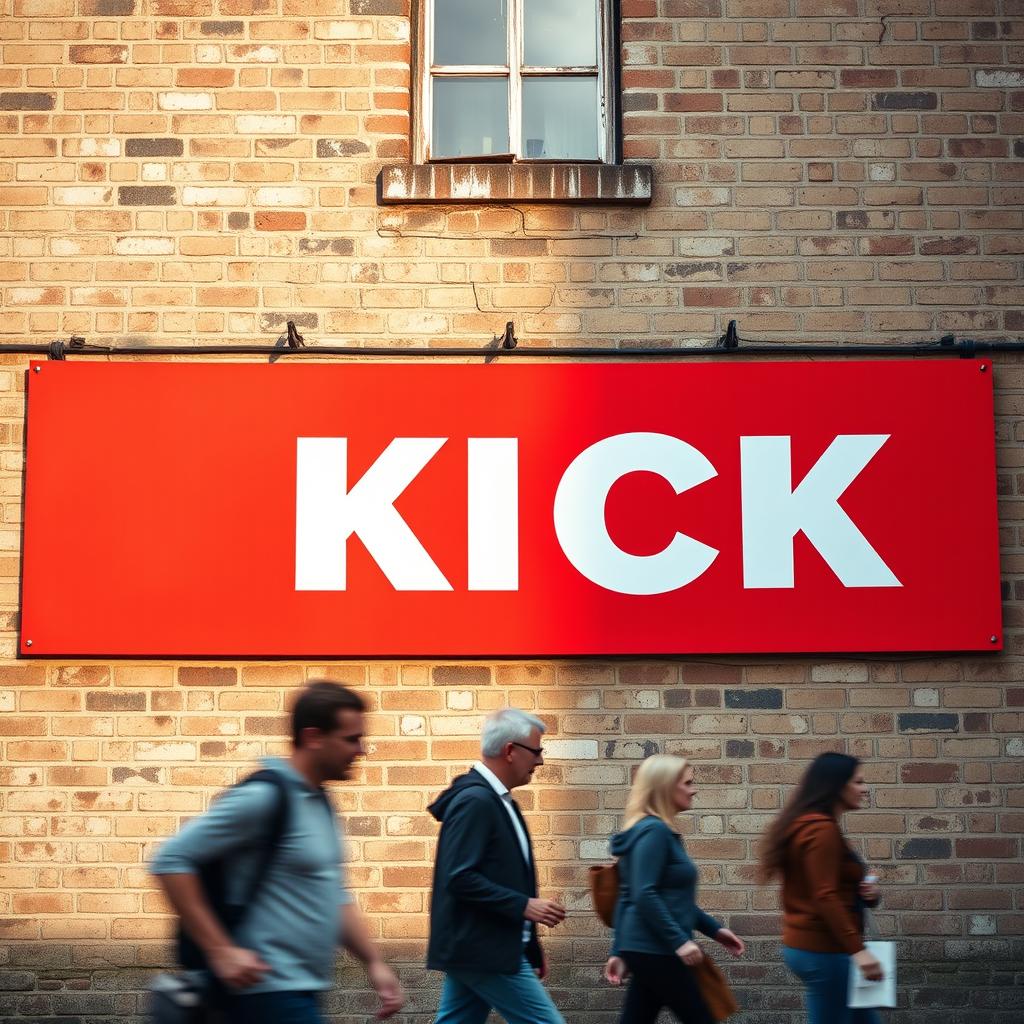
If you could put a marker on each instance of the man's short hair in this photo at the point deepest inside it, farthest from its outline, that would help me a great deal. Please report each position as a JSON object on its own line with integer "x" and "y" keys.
{"x": 509, "y": 725}
{"x": 318, "y": 705}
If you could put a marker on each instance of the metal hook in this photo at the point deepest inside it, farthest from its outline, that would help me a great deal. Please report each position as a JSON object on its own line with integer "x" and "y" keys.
{"x": 508, "y": 339}
{"x": 295, "y": 340}
{"x": 731, "y": 338}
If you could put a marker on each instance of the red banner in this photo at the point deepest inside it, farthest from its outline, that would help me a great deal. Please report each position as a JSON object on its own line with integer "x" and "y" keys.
{"x": 215, "y": 510}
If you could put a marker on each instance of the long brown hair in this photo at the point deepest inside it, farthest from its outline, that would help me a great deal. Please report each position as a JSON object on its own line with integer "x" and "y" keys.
{"x": 818, "y": 790}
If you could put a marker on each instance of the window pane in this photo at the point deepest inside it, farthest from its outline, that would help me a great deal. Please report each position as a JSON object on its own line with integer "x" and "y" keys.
{"x": 560, "y": 118}
{"x": 470, "y": 32}
{"x": 560, "y": 33}
{"x": 470, "y": 117}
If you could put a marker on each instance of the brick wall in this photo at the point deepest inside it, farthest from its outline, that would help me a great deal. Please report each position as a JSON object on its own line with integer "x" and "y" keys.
{"x": 824, "y": 170}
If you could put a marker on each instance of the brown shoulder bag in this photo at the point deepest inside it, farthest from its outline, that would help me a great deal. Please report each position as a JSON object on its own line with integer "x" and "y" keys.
{"x": 714, "y": 989}
{"x": 604, "y": 890}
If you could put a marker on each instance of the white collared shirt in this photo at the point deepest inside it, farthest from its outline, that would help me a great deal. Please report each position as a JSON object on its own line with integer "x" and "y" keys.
{"x": 502, "y": 790}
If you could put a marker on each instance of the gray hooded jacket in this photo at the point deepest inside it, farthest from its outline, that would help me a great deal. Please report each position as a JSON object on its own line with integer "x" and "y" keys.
{"x": 657, "y": 907}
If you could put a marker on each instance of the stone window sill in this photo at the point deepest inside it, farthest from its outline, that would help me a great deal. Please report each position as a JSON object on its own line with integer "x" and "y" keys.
{"x": 622, "y": 184}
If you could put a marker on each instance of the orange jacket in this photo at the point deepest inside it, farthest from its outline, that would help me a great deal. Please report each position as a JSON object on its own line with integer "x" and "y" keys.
{"x": 819, "y": 888}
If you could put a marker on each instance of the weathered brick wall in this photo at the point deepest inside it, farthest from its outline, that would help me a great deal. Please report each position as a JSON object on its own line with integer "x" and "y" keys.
{"x": 101, "y": 760}
{"x": 824, "y": 169}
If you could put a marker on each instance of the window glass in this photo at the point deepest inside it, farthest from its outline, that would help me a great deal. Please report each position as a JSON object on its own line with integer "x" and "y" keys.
{"x": 470, "y": 117}
{"x": 471, "y": 32}
{"x": 560, "y": 118}
{"x": 560, "y": 33}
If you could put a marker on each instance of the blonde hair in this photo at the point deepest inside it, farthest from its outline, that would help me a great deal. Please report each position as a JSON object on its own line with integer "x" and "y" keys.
{"x": 655, "y": 780}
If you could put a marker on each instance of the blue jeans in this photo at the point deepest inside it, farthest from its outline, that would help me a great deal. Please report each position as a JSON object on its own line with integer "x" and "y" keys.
{"x": 825, "y": 977}
{"x": 273, "y": 1008}
{"x": 467, "y": 997}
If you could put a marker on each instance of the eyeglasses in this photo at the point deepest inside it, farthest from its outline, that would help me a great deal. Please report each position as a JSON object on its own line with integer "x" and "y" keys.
{"x": 536, "y": 751}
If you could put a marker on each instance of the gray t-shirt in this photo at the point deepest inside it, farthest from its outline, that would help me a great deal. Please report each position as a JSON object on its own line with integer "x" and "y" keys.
{"x": 294, "y": 921}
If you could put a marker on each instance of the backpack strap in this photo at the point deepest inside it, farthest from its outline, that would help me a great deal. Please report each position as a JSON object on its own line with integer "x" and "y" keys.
{"x": 212, "y": 875}
{"x": 275, "y": 831}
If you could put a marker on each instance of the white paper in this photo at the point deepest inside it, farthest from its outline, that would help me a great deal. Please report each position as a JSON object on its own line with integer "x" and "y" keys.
{"x": 862, "y": 993}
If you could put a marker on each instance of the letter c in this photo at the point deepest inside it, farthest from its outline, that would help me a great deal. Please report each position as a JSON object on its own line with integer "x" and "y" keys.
{"x": 579, "y": 513}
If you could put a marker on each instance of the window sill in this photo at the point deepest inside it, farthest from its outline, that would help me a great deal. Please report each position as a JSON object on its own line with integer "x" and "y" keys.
{"x": 620, "y": 184}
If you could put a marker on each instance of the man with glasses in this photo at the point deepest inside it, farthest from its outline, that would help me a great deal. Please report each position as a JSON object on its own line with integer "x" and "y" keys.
{"x": 484, "y": 908}
{"x": 275, "y": 844}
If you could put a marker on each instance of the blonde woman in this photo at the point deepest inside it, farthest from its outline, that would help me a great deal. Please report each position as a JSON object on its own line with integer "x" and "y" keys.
{"x": 657, "y": 909}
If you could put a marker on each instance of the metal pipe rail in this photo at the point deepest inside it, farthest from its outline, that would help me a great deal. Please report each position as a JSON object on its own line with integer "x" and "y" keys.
{"x": 728, "y": 345}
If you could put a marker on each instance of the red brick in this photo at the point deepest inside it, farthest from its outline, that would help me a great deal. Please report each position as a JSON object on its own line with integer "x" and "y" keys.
{"x": 280, "y": 220}
{"x": 693, "y": 101}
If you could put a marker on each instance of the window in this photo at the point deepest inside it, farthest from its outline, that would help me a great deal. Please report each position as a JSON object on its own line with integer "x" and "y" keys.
{"x": 516, "y": 80}
{"x": 516, "y": 101}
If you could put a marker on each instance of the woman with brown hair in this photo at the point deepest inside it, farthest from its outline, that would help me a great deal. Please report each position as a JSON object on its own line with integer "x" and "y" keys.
{"x": 657, "y": 910}
{"x": 824, "y": 889}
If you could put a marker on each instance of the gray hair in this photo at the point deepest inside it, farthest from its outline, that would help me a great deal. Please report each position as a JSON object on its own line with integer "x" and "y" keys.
{"x": 509, "y": 725}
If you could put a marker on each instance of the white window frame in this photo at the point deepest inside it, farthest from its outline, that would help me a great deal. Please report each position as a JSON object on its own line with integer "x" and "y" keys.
{"x": 515, "y": 72}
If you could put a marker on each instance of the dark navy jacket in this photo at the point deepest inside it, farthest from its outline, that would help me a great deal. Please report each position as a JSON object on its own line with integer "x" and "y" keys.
{"x": 481, "y": 883}
{"x": 657, "y": 907}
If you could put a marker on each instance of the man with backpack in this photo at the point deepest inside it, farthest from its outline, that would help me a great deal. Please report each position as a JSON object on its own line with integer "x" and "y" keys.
{"x": 258, "y": 880}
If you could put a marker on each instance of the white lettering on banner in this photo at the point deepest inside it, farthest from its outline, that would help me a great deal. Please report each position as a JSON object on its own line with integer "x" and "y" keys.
{"x": 493, "y": 513}
{"x": 327, "y": 513}
{"x": 773, "y": 512}
{"x": 580, "y": 523}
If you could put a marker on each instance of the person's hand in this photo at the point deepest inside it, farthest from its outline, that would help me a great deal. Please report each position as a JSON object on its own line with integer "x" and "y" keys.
{"x": 690, "y": 953}
{"x": 549, "y": 912}
{"x": 615, "y": 970}
{"x": 385, "y": 983}
{"x": 869, "y": 890}
{"x": 869, "y": 965}
{"x": 731, "y": 941}
{"x": 236, "y": 967}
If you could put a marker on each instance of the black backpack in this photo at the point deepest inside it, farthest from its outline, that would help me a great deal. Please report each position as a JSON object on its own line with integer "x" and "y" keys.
{"x": 213, "y": 874}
